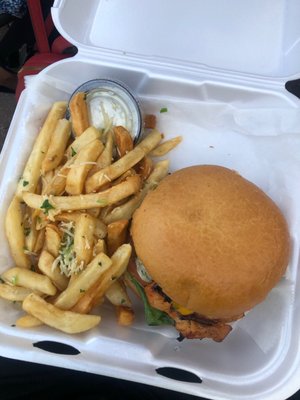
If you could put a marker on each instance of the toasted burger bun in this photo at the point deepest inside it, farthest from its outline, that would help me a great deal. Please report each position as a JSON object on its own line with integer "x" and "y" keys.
{"x": 213, "y": 241}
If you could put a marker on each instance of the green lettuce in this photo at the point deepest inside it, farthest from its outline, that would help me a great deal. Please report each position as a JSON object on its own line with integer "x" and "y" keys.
{"x": 153, "y": 315}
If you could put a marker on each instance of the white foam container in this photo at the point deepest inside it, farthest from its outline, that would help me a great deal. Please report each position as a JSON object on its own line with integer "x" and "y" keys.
{"x": 220, "y": 68}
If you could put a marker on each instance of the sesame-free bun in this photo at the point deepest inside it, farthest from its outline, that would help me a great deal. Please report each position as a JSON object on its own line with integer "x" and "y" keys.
{"x": 213, "y": 241}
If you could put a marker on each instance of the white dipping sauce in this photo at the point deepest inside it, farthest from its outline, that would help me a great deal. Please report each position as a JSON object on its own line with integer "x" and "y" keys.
{"x": 108, "y": 108}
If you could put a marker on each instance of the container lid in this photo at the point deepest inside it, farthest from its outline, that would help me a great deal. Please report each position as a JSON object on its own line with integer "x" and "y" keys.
{"x": 252, "y": 37}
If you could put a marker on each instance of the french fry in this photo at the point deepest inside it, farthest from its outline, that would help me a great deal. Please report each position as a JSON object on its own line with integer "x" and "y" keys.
{"x": 79, "y": 113}
{"x": 52, "y": 240}
{"x": 28, "y": 321}
{"x": 107, "y": 210}
{"x": 106, "y": 156}
{"x": 31, "y": 173}
{"x": 144, "y": 167}
{"x": 113, "y": 171}
{"x": 165, "y": 147}
{"x": 56, "y": 186}
{"x": 117, "y": 295}
{"x": 149, "y": 121}
{"x": 94, "y": 212}
{"x": 96, "y": 182}
{"x": 123, "y": 140}
{"x": 40, "y": 219}
{"x": 15, "y": 233}
{"x": 72, "y": 216}
{"x": 39, "y": 241}
{"x": 46, "y": 178}
{"x": 94, "y": 295}
{"x": 100, "y": 228}
{"x": 30, "y": 231}
{"x": 66, "y": 321}
{"x": 13, "y": 293}
{"x": 116, "y": 235}
{"x": 81, "y": 166}
{"x": 76, "y": 289}
{"x": 125, "y": 315}
{"x": 45, "y": 265}
{"x": 85, "y": 201}
{"x": 29, "y": 279}
{"x": 57, "y": 146}
{"x": 39, "y": 186}
{"x": 120, "y": 261}
{"x": 123, "y": 177}
{"x": 84, "y": 238}
{"x": 126, "y": 210}
{"x": 88, "y": 136}
{"x": 99, "y": 247}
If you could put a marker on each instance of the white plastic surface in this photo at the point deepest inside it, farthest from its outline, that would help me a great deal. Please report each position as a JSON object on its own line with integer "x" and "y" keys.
{"x": 248, "y": 125}
{"x": 255, "y": 37}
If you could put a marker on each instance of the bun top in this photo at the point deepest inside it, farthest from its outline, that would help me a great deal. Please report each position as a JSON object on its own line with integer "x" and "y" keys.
{"x": 213, "y": 241}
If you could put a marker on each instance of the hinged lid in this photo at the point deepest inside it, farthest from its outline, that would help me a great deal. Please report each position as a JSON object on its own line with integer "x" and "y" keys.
{"x": 253, "y": 37}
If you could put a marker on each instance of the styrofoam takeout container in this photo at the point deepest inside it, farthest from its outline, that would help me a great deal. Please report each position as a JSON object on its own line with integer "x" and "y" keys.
{"x": 220, "y": 68}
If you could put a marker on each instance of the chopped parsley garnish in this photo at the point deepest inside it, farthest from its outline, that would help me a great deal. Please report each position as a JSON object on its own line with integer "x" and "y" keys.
{"x": 163, "y": 110}
{"x": 102, "y": 202}
{"x": 14, "y": 280}
{"x": 74, "y": 152}
{"x": 100, "y": 264}
{"x": 82, "y": 290}
{"x": 46, "y": 207}
{"x": 25, "y": 183}
{"x": 123, "y": 301}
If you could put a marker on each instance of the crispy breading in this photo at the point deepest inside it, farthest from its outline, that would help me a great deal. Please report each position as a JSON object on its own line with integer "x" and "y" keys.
{"x": 190, "y": 327}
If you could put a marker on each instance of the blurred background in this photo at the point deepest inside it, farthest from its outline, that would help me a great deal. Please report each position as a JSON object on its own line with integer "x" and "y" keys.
{"x": 7, "y": 107}
{"x": 29, "y": 42}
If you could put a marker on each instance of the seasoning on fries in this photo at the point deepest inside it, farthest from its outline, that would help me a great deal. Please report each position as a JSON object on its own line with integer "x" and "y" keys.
{"x": 68, "y": 222}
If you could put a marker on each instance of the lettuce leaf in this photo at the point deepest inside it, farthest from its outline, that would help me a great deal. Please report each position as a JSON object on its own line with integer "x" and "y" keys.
{"x": 153, "y": 315}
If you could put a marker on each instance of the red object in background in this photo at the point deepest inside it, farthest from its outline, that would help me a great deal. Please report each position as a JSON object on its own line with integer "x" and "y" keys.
{"x": 46, "y": 54}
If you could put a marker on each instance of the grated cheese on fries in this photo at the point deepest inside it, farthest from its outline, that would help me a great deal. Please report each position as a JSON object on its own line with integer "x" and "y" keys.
{"x": 73, "y": 206}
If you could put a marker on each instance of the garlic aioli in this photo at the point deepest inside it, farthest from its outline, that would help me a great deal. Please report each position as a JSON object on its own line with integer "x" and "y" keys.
{"x": 111, "y": 104}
